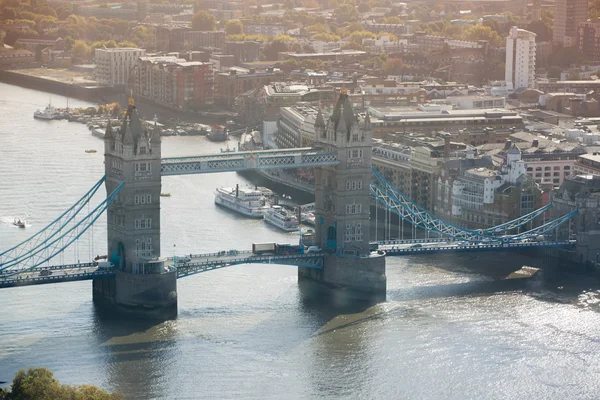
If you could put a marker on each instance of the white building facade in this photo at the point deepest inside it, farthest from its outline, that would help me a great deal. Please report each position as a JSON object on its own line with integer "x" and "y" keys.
{"x": 520, "y": 58}
{"x": 113, "y": 65}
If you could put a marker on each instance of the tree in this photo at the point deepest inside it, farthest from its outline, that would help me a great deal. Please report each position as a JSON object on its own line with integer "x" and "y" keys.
{"x": 543, "y": 31}
{"x": 326, "y": 37}
{"x": 317, "y": 28}
{"x": 393, "y": 66}
{"x": 80, "y": 50}
{"x": 234, "y": 27}
{"x": 126, "y": 44}
{"x": 39, "y": 383}
{"x": 480, "y": 32}
{"x": 312, "y": 64}
{"x": 359, "y": 36}
{"x": 363, "y": 7}
{"x": 203, "y": 21}
{"x": 273, "y": 49}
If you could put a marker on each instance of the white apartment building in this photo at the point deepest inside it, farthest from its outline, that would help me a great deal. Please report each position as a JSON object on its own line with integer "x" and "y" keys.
{"x": 520, "y": 58}
{"x": 113, "y": 65}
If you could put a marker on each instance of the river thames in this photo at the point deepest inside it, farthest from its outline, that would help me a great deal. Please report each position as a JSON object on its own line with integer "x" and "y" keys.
{"x": 450, "y": 328}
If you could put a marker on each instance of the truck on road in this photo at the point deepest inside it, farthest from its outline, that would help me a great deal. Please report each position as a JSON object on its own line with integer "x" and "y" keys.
{"x": 262, "y": 248}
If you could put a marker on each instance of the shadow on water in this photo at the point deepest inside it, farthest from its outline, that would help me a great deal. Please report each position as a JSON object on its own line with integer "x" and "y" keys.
{"x": 137, "y": 352}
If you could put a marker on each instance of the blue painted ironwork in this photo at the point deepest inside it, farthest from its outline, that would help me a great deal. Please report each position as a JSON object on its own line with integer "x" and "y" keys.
{"x": 310, "y": 260}
{"x": 17, "y": 253}
{"x": 40, "y": 255}
{"x": 401, "y": 205}
{"x": 240, "y": 161}
{"x": 481, "y": 247}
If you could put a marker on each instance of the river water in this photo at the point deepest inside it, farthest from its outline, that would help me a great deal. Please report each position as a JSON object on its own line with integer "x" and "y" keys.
{"x": 450, "y": 328}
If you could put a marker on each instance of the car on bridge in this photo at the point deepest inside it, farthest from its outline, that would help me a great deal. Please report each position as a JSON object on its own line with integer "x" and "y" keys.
{"x": 416, "y": 246}
{"x": 45, "y": 272}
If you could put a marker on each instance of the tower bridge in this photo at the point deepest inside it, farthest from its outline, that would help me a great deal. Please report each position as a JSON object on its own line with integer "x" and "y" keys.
{"x": 143, "y": 283}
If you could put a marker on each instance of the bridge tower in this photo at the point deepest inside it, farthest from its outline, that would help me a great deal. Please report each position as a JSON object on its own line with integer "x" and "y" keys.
{"x": 343, "y": 203}
{"x": 143, "y": 285}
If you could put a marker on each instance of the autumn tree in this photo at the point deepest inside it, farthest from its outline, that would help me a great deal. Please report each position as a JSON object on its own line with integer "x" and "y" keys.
{"x": 393, "y": 66}
{"x": 234, "y": 27}
{"x": 203, "y": 21}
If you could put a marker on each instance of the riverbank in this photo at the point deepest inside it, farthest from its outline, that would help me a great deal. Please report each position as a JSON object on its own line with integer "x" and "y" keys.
{"x": 82, "y": 86}
{"x": 58, "y": 81}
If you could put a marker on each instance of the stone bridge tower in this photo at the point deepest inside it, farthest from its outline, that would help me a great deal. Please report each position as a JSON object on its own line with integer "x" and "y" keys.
{"x": 343, "y": 203}
{"x": 143, "y": 285}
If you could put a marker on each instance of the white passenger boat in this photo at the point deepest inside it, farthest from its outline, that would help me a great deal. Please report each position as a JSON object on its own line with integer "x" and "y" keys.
{"x": 282, "y": 218}
{"x": 49, "y": 113}
{"x": 246, "y": 201}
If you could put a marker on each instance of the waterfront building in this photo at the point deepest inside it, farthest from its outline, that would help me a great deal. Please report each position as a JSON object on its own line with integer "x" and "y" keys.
{"x": 568, "y": 14}
{"x": 16, "y": 57}
{"x": 520, "y": 58}
{"x": 113, "y": 65}
{"x": 229, "y": 85}
{"x": 173, "y": 81}
{"x": 32, "y": 43}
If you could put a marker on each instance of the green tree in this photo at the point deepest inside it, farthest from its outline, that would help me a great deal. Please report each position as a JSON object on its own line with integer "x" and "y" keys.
{"x": 203, "y": 21}
{"x": 312, "y": 64}
{"x": 480, "y": 32}
{"x": 359, "y": 36}
{"x": 317, "y": 28}
{"x": 326, "y": 37}
{"x": 80, "y": 50}
{"x": 542, "y": 30}
{"x": 234, "y": 27}
{"x": 39, "y": 383}
{"x": 273, "y": 49}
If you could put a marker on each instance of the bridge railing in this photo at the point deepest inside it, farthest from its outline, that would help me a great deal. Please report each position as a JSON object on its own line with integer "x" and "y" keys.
{"x": 219, "y": 254}
{"x": 54, "y": 278}
{"x": 498, "y": 246}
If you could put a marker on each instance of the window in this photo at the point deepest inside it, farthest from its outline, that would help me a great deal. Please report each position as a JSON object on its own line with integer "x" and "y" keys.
{"x": 557, "y": 168}
{"x": 142, "y": 167}
{"x": 353, "y": 208}
{"x": 547, "y": 168}
{"x": 354, "y": 185}
{"x": 567, "y": 167}
{"x": 356, "y": 153}
{"x": 353, "y": 232}
{"x": 144, "y": 223}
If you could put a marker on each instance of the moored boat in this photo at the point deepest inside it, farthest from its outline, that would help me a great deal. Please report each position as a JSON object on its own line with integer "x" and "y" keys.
{"x": 48, "y": 113}
{"x": 246, "y": 201}
{"x": 282, "y": 218}
{"x": 218, "y": 133}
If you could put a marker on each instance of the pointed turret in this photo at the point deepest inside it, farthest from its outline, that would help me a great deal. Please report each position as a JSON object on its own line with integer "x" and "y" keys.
{"x": 155, "y": 138}
{"x": 108, "y": 135}
{"x": 367, "y": 122}
{"x": 320, "y": 121}
{"x": 128, "y": 135}
{"x": 341, "y": 127}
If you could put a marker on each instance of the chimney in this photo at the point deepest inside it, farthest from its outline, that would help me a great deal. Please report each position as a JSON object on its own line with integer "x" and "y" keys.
{"x": 535, "y": 143}
{"x": 508, "y": 145}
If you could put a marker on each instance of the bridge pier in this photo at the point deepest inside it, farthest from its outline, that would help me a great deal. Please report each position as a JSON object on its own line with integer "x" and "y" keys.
{"x": 362, "y": 276}
{"x": 146, "y": 296}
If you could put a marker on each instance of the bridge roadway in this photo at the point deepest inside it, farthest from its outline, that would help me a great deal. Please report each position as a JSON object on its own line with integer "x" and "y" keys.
{"x": 196, "y": 263}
